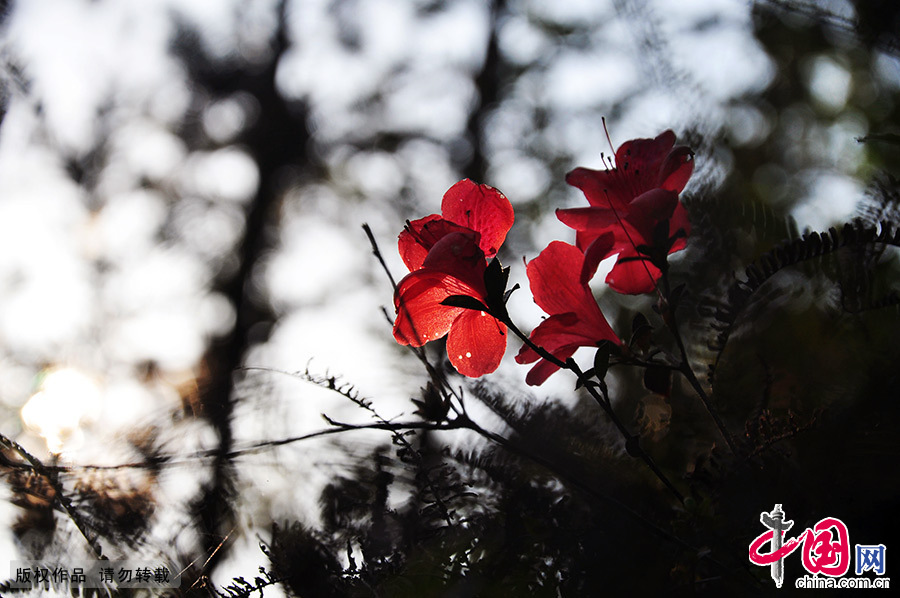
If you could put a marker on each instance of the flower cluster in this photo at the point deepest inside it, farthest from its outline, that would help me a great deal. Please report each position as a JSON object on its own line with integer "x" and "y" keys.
{"x": 633, "y": 213}
{"x": 631, "y": 201}
{"x": 447, "y": 258}
{"x": 559, "y": 283}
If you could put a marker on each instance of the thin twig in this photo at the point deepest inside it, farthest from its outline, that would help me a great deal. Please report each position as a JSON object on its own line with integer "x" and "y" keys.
{"x": 377, "y": 253}
{"x": 249, "y": 449}
{"x": 632, "y": 442}
{"x": 49, "y": 473}
{"x": 688, "y": 372}
{"x": 400, "y": 439}
{"x": 464, "y": 422}
{"x": 436, "y": 375}
{"x": 509, "y": 445}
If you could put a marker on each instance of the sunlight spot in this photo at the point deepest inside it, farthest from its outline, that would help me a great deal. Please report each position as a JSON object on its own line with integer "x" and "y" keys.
{"x": 830, "y": 83}
{"x": 228, "y": 174}
{"x": 64, "y": 400}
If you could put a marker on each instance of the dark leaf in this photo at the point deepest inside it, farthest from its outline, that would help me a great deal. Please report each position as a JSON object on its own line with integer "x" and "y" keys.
{"x": 495, "y": 279}
{"x": 510, "y": 292}
{"x": 601, "y": 361}
{"x": 641, "y": 332}
{"x": 633, "y": 446}
{"x": 658, "y": 380}
{"x": 679, "y": 234}
{"x": 676, "y": 295}
{"x": 639, "y": 322}
{"x": 647, "y": 250}
{"x": 464, "y": 301}
{"x": 661, "y": 235}
{"x": 432, "y": 407}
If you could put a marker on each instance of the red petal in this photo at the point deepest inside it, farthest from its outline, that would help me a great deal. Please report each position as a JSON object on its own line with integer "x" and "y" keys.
{"x": 601, "y": 248}
{"x": 563, "y": 331}
{"x": 677, "y": 169}
{"x": 641, "y": 165}
{"x": 421, "y": 235}
{"x": 639, "y": 161}
{"x": 602, "y": 188}
{"x": 420, "y": 316}
{"x": 594, "y": 219}
{"x": 476, "y": 343}
{"x": 649, "y": 209}
{"x": 561, "y": 335}
{"x": 634, "y": 277}
{"x": 597, "y": 222}
{"x": 482, "y": 209}
{"x": 583, "y": 329}
{"x": 646, "y": 155}
{"x": 543, "y": 369}
{"x": 584, "y": 239}
{"x": 679, "y": 221}
{"x": 555, "y": 278}
{"x": 458, "y": 256}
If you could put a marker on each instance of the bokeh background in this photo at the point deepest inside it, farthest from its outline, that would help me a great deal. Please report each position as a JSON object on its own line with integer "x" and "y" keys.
{"x": 183, "y": 184}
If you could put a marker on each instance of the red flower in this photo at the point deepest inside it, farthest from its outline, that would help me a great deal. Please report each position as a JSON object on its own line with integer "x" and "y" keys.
{"x": 630, "y": 200}
{"x": 454, "y": 266}
{"x": 559, "y": 282}
{"x": 466, "y": 207}
{"x": 447, "y": 256}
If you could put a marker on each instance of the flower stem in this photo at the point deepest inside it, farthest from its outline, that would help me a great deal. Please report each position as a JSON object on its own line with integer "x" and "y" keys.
{"x": 566, "y": 477}
{"x": 685, "y": 367}
{"x": 632, "y": 441}
{"x": 48, "y": 473}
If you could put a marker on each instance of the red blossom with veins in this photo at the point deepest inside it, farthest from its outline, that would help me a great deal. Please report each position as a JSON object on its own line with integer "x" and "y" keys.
{"x": 630, "y": 200}
{"x": 447, "y": 257}
{"x": 466, "y": 207}
{"x": 559, "y": 282}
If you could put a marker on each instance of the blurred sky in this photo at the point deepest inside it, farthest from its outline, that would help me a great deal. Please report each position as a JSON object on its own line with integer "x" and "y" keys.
{"x": 98, "y": 279}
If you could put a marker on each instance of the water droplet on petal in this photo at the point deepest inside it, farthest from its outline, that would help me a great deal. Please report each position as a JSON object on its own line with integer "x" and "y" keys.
{"x": 468, "y": 354}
